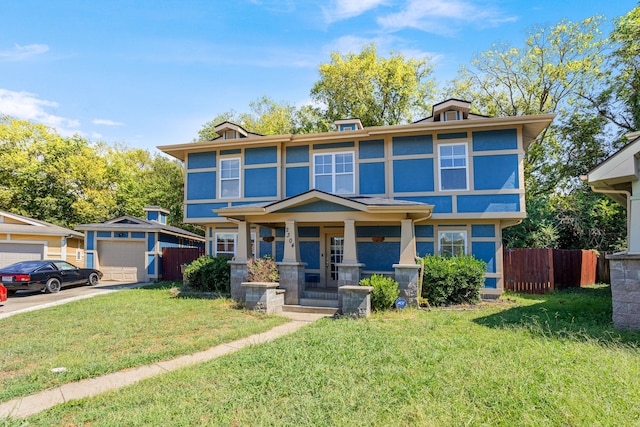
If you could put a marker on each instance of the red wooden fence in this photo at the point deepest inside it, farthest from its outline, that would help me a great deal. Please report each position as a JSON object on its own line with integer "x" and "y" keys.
{"x": 173, "y": 258}
{"x": 537, "y": 271}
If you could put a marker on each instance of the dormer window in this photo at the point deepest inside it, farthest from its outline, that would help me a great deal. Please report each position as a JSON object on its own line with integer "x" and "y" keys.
{"x": 229, "y": 134}
{"x": 348, "y": 124}
{"x": 450, "y": 115}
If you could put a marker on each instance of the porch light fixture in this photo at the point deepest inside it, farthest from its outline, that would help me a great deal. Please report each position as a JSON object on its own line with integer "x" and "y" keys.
{"x": 377, "y": 239}
{"x": 268, "y": 239}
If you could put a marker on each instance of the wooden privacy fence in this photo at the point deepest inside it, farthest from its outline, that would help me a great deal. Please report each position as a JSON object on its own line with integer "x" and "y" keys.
{"x": 537, "y": 271}
{"x": 173, "y": 258}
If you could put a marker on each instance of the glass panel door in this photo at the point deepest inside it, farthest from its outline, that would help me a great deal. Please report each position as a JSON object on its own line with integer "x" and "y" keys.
{"x": 335, "y": 249}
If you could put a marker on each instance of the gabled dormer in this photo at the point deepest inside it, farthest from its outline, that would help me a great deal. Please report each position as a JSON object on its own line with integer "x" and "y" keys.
{"x": 450, "y": 110}
{"x": 348, "y": 124}
{"x": 228, "y": 130}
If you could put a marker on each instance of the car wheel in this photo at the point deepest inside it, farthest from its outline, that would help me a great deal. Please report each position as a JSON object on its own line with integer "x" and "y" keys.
{"x": 93, "y": 279}
{"x": 52, "y": 286}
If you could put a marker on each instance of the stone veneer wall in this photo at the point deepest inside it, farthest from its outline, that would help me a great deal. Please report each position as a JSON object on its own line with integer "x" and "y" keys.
{"x": 625, "y": 290}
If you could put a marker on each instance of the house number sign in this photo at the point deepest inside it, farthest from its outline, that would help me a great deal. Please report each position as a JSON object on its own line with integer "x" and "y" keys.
{"x": 289, "y": 238}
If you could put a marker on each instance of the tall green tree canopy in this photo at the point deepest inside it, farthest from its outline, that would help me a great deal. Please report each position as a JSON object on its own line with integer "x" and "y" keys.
{"x": 68, "y": 181}
{"x": 554, "y": 71}
{"x": 619, "y": 102}
{"x": 377, "y": 90}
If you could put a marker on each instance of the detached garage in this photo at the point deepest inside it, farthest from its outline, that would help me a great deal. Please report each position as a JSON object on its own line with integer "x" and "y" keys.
{"x": 129, "y": 249}
{"x": 27, "y": 239}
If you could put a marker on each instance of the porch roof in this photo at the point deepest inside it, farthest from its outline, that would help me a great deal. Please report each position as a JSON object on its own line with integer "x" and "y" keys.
{"x": 320, "y": 202}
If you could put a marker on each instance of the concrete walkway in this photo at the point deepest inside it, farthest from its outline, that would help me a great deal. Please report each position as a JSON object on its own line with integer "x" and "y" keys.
{"x": 30, "y": 405}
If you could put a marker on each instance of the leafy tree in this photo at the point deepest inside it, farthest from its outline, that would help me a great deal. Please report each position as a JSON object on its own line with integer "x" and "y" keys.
{"x": 548, "y": 74}
{"x": 68, "y": 181}
{"x": 378, "y": 91}
{"x": 619, "y": 102}
{"x": 267, "y": 117}
{"x": 553, "y": 72}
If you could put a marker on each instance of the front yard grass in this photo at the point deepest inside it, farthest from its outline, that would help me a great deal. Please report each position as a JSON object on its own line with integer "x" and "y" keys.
{"x": 524, "y": 361}
{"x": 112, "y": 332}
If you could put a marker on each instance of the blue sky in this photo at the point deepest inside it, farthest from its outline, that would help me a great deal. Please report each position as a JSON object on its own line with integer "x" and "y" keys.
{"x": 152, "y": 72}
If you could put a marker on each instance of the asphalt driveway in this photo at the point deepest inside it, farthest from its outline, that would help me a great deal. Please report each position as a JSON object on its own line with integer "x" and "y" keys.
{"x": 32, "y": 300}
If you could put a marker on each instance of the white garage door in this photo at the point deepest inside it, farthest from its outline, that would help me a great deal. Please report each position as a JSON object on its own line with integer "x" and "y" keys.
{"x": 15, "y": 252}
{"x": 122, "y": 261}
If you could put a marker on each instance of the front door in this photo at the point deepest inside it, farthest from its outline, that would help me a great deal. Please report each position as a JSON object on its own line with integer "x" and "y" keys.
{"x": 334, "y": 248}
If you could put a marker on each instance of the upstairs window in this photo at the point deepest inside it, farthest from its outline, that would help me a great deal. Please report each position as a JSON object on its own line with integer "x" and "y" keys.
{"x": 454, "y": 173}
{"x": 229, "y": 134}
{"x": 229, "y": 178}
{"x": 452, "y": 243}
{"x": 333, "y": 173}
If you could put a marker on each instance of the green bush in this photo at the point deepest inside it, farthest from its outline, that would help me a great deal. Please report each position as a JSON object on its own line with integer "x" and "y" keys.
{"x": 452, "y": 280}
{"x": 209, "y": 274}
{"x": 262, "y": 270}
{"x": 385, "y": 291}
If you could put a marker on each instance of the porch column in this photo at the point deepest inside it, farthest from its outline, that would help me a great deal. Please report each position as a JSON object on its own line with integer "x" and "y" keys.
{"x": 243, "y": 250}
{"x": 349, "y": 255}
{"x": 407, "y": 271}
{"x": 291, "y": 249}
{"x": 407, "y": 242}
{"x": 349, "y": 269}
{"x": 292, "y": 276}
{"x": 239, "y": 264}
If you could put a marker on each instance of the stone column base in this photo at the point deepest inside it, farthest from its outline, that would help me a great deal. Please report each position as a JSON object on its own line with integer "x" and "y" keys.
{"x": 355, "y": 300}
{"x": 292, "y": 280}
{"x": 264, "y": 297}
{"x": 408, "y": 278}
{"x": 238, "y": 275}
{"x": 349, "y": 274}
{"x": 625, "y": 290}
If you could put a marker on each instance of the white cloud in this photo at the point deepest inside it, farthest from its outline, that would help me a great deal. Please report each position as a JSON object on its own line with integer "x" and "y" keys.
{"x": 27, "y": 106}
{"x": 442, "y": 16}
{"x": 21, "y": 53}
{"x": 340, "y": 10}
{"x": 106, "y": 122}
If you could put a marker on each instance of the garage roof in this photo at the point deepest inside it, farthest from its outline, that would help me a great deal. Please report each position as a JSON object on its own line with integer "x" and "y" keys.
{"x": 18, "y": 224}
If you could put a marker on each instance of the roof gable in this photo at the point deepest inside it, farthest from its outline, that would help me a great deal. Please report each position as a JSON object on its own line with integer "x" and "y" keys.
{"x": 13, "y": 223}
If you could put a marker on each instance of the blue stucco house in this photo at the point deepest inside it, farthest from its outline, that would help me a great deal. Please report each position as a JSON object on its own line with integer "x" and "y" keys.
{"x": 129, "y": 249}
{"x": 337, "y": 206}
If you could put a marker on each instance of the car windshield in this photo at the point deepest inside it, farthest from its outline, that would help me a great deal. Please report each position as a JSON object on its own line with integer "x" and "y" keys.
{"x": 23, "y": 267}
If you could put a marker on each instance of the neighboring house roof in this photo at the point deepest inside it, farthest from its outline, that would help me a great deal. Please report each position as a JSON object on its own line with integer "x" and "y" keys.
{"x": 618, "y": 171}
{"x": 417, "y": 210}
{"x": 19, "y": 224}
{"x": 132, "y": 223}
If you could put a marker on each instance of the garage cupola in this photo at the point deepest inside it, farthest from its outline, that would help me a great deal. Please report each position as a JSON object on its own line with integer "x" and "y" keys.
{"x": 156, "y": 213}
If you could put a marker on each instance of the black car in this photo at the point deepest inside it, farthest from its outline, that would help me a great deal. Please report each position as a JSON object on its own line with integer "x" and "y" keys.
{"x": 48, "y": 276}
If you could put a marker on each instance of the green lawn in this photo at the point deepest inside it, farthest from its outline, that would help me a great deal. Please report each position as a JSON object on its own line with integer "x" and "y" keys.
{"x": 532, "y": 361}
{"x": 112, "y": 332}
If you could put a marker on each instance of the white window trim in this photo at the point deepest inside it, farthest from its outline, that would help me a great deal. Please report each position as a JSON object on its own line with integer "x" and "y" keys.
{"x": 220, "y": 179}
{"x": 465, "y": 237}
{"x": 235, "y": 243}
{"x": 333, "y": 170}
{"x": 78, "y": 254}
{"x": 466, "y": 167}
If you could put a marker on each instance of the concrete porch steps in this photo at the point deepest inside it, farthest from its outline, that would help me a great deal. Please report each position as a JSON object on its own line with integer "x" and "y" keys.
{"x": 329, "y": 311}
{"x": 321, "y": 294}
{"x": 318, "y": 302}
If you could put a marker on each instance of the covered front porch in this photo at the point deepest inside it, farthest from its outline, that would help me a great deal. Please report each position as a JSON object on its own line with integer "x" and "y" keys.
{"x": 325, "y": 242}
